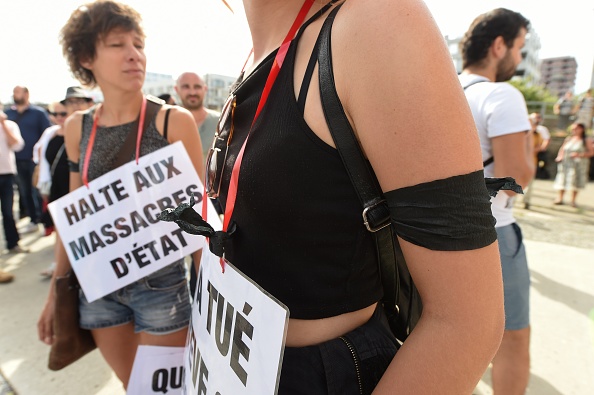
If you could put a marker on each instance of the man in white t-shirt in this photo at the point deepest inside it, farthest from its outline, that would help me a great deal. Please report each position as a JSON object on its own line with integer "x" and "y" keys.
{"x": 491, "y": 52}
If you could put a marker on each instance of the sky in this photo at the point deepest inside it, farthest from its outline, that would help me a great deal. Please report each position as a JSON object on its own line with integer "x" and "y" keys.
{"x": 204, "y": 36}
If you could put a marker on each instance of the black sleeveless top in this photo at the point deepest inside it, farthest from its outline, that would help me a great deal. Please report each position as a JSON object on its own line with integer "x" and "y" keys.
{"x": 300, "y": 234}
{"x": 60, "y": 175}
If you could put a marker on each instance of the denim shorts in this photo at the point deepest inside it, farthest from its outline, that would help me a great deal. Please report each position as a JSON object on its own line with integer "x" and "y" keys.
{"x": 157, "y": 304}
{"x": 516, "y": 277}
{"x": 352, "y": 364}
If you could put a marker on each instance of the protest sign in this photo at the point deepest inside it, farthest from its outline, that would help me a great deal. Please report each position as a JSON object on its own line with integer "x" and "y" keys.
{"x": 110, "y": 229}
{"x": 157, "y": 370}
{"x": 237, "y": 336}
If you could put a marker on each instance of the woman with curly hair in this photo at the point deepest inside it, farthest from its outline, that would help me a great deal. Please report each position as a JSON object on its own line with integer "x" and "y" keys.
{"x": 103, "y": 42}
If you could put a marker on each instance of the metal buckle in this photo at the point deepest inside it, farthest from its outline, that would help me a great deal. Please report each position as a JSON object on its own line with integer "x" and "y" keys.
{"x": 366, "y": 221}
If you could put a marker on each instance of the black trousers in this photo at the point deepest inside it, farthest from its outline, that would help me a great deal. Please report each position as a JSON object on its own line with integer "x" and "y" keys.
{"x": 28, "y": 194}
{"x": 350, "y": 365}
{"x": 6, "y": 202}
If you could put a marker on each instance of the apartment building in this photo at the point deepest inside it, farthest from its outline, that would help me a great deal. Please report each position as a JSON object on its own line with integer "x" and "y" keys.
{"x": 558, "y": 74}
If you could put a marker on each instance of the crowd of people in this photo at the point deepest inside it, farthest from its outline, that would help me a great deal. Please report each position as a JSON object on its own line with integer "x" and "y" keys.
{"x": 298, "y": 228}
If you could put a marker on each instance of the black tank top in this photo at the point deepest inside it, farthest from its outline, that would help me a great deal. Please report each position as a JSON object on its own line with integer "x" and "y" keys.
{"x": 300, "y": 233}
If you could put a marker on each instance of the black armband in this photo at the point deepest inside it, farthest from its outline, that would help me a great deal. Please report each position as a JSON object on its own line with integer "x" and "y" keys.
{"x": 73, "y": 166}
{"x": 452, "y": 214}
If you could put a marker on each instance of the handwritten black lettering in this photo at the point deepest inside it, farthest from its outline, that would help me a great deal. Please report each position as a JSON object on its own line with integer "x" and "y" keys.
{"x": 160, "y": 379}
{"x": 151, "y": 217}
{"x": 119, "y": 267}
{"x": 91, "y": 204}
{"x": 213, "y": 296}
{"x": 167, "y": 245}
{"x": 198, "y": 299}
{"x": 175, "y": 378}
{"x": 119, "y": 190}
{"x": 140, "y": 257}
{"x": 137, "y": 221}
{"x": 79, "y": 250}
{"x": 157, "y": 178}
{"x": 242, "y": 326}
{"x": 222, "y": 337}
{"x": 171, "y": 170}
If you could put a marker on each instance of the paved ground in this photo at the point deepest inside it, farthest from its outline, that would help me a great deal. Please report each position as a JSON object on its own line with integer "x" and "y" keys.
{"x": 560, "y": 245}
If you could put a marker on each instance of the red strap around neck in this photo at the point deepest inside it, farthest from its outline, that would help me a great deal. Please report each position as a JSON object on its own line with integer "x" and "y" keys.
{"x": 276, "y": 67}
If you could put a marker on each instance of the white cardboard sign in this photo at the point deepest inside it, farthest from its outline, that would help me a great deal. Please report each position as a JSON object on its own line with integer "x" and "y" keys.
{"x": 110, "y": 230}
{"x": 157, "y": 370}
{"x": 237, "y": 336}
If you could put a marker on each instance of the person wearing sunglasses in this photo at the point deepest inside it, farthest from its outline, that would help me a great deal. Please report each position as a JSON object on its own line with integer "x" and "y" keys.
{"x": 53, "y": 180}
{"x": 298, "y": 227}
{"x": 42, "y": 178}
{"x": 103, "y": 43}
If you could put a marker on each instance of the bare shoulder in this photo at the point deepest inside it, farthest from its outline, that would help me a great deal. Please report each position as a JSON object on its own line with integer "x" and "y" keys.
{"x": 399, "y": 88}
{"x": 182, "y": 127}
{"x": 180, "y": 121}
{"x": 386, "y": 24}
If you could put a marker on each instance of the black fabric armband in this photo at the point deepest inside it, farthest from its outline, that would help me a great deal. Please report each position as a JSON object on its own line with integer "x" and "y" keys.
{"x": 73, "y": 166}
{"x": 452, "y": 214}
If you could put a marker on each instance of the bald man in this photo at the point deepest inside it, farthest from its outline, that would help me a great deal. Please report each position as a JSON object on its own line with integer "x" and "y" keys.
{"x": 191, "y": 89}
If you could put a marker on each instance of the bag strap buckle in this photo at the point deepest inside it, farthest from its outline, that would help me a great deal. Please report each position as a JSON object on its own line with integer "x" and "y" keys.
{"x": 371, "y": 225}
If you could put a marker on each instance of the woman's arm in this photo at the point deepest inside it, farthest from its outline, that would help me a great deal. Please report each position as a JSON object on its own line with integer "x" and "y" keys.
{"x": 12, "y": 132}
{"x": 561, "y": 152}
{"x": 72, "y": 133}
{"x": 398, "y": 85}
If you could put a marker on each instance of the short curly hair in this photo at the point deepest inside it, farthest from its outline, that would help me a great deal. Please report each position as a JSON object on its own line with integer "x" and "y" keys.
{"x": 485, "y": 29}
{"x": 87, "y": 25}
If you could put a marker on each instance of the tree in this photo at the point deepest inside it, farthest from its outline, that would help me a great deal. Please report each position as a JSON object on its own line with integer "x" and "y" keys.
{"x": 533, "y": 93}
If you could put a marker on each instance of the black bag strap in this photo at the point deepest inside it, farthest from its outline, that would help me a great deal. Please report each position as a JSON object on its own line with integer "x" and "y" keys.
{"x": 153, "y": 105}
{"x": 57, "y": 159}
{"x": 376, "y": 213}
{"x": 474, "y": 83}
{"x": 486, "y": 162}
{"x": 166, "y": 123}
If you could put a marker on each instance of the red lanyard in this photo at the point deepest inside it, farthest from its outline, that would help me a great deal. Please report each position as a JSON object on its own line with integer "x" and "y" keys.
{"x": 278, "y": 63}
{"x": 85, "y": 173}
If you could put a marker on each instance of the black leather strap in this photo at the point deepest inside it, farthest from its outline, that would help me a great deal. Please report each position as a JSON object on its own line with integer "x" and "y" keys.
{"x": 375, "y": 210}
{"x": 307, "y": 77}
{"x": 362, "y": 176}
{"x": 166, "y": 123}
{"x": 474, "y": 83}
